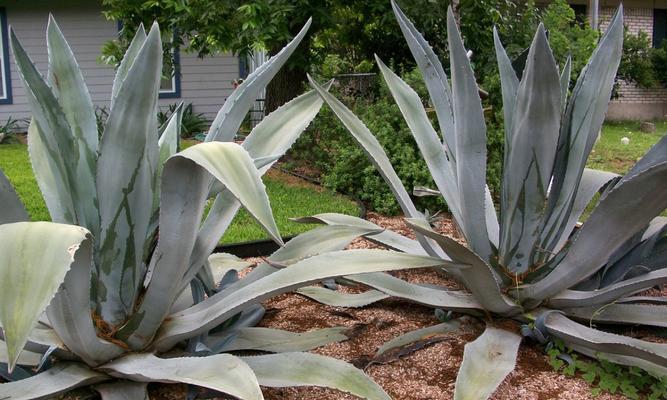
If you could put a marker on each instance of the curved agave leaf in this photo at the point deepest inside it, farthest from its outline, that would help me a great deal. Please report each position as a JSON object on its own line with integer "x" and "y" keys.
{"x": 125, "y": 184}
{"x": 592, "y": 181}
{"x": 339, "y": 299}
{"x": 633, "y": 314}
{"x": 443, "y": 170}
{"x": 388, "y": 238}
{"x": 217, "y": 308}
{"x": 479, "y": 278}
{"x": 573, "y": 333}
{"x": 530, "y": 158}
{"x": 643, "y": 300}
{"x": 12, "y": 208}
{"x": 279, "y": 341}
{"x": 626, "y": 209}
{"x": 59, "y": 379}
{"x": 376, "y": 156}
{"x": 35, "y": 258}
{"x": 653, "y": 369}
{"x": 222, "y": 372}
{"x": 470, "y": 130}
{"x": 43, "y": 339}
{"x": 435, "y": 78}
{"x": 486, "y": 363}
{"x": 317, "y": 241}
{"x": 184, "y": 191}
{"x": 454, "y": 326}
{"x": 581, "y": 124}
{"x": 66, "y": 81}
{"x": 229, "y": 118}
{"x": 313, "y": 370}
{"x": 170, "y": 134}
{"x": 123, "y": 390}
{"x": 608, "y": 294}
{"x": 127, "y": 61}
{"x": 70, "y": 314}
{"x": 433, "y": 297}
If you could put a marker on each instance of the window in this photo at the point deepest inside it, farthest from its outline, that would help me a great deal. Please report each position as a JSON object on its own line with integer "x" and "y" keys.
{"x": 659, "y": 26}
{"x": 170, "y": 86}
{"x": 6, "y": 84}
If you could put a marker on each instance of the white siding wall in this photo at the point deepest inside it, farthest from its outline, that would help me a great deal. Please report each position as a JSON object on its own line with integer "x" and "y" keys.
{"x": 204, "y": 82}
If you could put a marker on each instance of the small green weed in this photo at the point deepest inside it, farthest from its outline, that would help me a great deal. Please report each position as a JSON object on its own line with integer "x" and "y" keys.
{"x": 606, "y": 376}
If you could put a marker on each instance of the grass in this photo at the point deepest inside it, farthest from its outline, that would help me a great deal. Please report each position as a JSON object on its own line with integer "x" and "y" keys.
{"x": 610, "y": 154}
{"x": 289, "y": 198}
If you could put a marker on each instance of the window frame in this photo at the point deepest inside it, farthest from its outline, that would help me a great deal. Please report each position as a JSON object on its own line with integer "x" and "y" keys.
{"x": 5, "y": 79}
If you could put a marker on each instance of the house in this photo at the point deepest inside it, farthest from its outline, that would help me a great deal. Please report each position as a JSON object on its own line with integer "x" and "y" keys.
{"x": 649, "y": 16}
{"x": 205, "y": 83}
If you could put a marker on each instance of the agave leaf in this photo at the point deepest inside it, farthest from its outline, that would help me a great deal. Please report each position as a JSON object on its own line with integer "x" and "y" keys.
{"x": 70, "y": 313}
{"x": 66, "y": 81}
{"x": 168, "y": 145}
{"x": 651, "y": 368}
{"x": 479, "y": 278}
{"x": 127, "y": 61}
{"x": 565, "y": 83}
{"x": 125, "y": 184}
{"x": 222, "y": 372}
{"x": 386, "y": 238}
{"x": 231, "y": 115}
{"x": 527, "y": 174}
{"x": 486, "y": 363}
{"x": 123, "y": 390}
{"x": 51, "y": 178}
{"x": 433, "y": 297}
{"x": 59, "y": 379}
{"x": 232, "y": 165}
{"x": 62, "y": 151}
{"x": 581, "y": 124}
{"x": 443, "y": 170}
{"x": 317, "y": 241}
{"x": 435, "y": 78}
{"x": 626, "y": 209}
{"x": 655, "y": 155}
{"x": 279, "y": 341}
{"x": 36, "y": 257}
{"x": 12, "y": 207}
{"x": 313, "y": 370}
{"x": 606, "y": 295}
{"x": 43, "y": 339}
{"x": 470, "y": 130}
{"x": 573, "y": 333}
{"x": 591, "y": 182}
{"x": 632, "y": 314}
{"x": 454, "y": 326}
{"x": 340, "y": 299}
{"x": 509, "y": 86}
{"x": 26, "y": 358}
{"x": 643, "y": 300}
{"x": 184, "y": 191}
{"x": 376, "y": 155}
{"x": 217, "y": 308}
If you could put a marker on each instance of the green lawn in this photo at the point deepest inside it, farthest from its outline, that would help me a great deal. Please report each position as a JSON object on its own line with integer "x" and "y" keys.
{"x": 289, "y": 198}
{"x": 610, "y": 154}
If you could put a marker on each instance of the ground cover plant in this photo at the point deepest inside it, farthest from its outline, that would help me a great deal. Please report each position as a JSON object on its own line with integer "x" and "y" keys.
{"x": 529, "y": 263}
{"x": 119, "y": 289}
{"x": 287, "y": 198}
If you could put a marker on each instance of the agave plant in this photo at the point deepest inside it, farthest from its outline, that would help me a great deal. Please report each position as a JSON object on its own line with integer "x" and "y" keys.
{"x": 531, "y": 262}
{"x": 119, "y": 290}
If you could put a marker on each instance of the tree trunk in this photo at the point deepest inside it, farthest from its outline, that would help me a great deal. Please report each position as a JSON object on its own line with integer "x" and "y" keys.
{"x": 286, "y": 85}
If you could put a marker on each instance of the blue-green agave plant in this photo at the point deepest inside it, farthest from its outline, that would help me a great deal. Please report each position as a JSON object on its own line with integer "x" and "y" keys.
{"x": 119, "y": 290}
{"x": 528, "y": 262}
